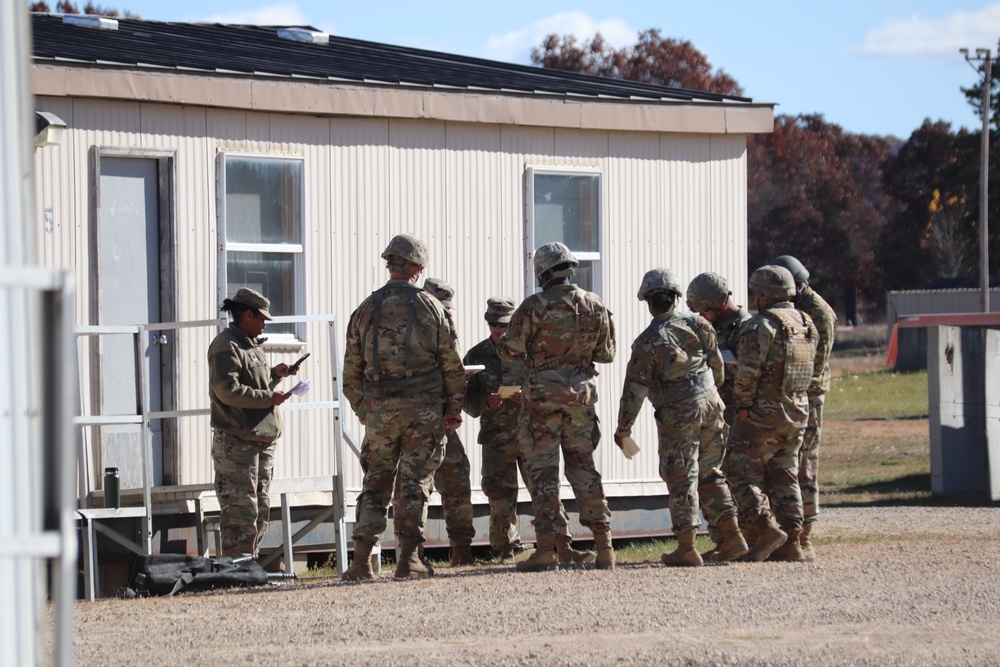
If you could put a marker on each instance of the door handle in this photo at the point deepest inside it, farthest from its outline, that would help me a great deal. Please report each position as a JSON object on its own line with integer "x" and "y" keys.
{"x": 160, "y": 339}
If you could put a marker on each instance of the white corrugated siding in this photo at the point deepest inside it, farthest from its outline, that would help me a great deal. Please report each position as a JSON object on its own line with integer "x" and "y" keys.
{"x": 670, "y": 200}
{"x": 931, "y": 301}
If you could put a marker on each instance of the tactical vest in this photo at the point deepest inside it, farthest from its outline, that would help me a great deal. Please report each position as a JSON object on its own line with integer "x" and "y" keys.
{"x": 696, "y": 383}
{"x": 412, "y": 384}
{"x": 800, "y": 349}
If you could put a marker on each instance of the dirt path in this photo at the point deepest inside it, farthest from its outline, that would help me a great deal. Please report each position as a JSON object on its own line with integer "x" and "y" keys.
{"x": 892, "y": 586}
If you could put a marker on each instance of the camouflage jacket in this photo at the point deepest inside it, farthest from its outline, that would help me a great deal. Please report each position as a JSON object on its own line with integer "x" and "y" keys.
{"x": 692, "y": 353}
{"x": 497, "y": 424}
{"x": 241, "y": 387}
{"x": 728, "y": 331}
{"x": 426, "y": 347}
{"x": 560, "y": 333}
{"x": 760, "y": 370}
{"x": 825, "y": 319}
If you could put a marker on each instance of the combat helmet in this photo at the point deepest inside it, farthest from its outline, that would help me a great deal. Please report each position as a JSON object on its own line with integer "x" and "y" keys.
{"x": 658, "y": 280}
{"x": 551, "y": 255}
{"x": 772, "y": 282}
{"x": 794, "y": 266}
{"x": 707, "y": 290}
{"x": 409, "y": 247}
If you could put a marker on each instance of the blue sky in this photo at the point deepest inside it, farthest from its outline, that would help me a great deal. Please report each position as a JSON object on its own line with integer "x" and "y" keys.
{"x": 874, "y": 67}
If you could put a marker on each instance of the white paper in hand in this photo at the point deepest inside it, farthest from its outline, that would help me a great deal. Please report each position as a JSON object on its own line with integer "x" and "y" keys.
{"x": 301, "y": 388}
{"x": 629, "y": 447}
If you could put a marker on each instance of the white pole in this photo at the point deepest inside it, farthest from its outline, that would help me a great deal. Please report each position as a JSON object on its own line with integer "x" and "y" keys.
{"x": 21, "y": 578}
{"x": 984, "y": 180}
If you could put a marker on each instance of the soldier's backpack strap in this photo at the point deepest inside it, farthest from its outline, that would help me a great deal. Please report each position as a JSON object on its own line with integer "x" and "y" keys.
{"x": 373, "y": 322}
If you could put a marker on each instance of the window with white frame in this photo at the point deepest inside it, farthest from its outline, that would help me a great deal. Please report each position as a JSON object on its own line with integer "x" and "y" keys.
{"x": 261, "y": 228}
{"x": 564, "y": 204}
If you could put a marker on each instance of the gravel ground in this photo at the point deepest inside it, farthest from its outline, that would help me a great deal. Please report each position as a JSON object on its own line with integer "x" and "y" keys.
{"x": 891, "y": 586}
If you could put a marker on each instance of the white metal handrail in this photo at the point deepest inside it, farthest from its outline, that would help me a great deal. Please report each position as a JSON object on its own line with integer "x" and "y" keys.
{"x": 145, "y": 416}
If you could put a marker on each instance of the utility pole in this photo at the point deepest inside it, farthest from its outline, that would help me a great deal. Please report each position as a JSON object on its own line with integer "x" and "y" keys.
{"x": 984, "y": 176}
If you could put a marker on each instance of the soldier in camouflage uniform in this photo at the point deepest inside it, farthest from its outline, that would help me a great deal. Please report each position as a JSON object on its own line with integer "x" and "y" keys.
{"x": 677, "y": 365}
{"x": 825, "y": 319}
{"x": 404, "y": 379}
{"x": 498, "y": 434}
{"x": 560, "y": 333}
{"x": 453, "y": 479}
{"x": 246, "y": 422}
{"x": 773, "y": 372}
{"x": 709, "y": 296}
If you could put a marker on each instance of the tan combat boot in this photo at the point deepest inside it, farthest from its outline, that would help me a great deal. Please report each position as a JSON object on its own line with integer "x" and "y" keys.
{"x": 750, "y": 532}
{"x": 714, "y": 534}
{"x": 808, "y": 552}
{"x": 461, "y": 554}
{"x": 790, "y": 551}
{"x": 544, "y": 558}
{"x": 567, "y": 554}
{"x": 410, "y": 562}
{"x": 770, "y": 537}
{"x": 605, "y": 552}
{"x": 732, "y": 545}
{"x": 361, "y": 568}
{"x": 685, "y": 555}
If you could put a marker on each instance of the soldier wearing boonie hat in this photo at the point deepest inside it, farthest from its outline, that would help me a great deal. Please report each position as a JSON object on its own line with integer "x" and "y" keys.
{"x": 245, "y": 421}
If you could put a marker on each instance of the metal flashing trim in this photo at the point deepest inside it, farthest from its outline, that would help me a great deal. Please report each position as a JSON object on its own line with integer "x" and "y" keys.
{"x": 87, "y": 21}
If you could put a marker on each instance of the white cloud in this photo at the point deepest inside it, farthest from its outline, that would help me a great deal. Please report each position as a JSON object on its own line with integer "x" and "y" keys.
{"x": 268, "y": 15}
{"x": 515, "y": 46}
{"x": 919, "y": 36}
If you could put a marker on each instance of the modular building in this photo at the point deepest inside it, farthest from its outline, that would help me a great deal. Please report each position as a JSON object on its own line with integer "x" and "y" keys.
{"x": 200, "y": 158}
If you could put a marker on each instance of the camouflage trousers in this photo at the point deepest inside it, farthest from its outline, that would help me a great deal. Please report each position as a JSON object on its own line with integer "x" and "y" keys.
{"x": 691, "y": 448}
{"x": 764, "y": 459}
{"x": 544, "y": 430}
{"x": 501, "y": 462}
{"x": 405, "y": 437}
{"x": 809, "y": 459}
{"x": 453, "y": 480}
{"x": 243, "y": 473}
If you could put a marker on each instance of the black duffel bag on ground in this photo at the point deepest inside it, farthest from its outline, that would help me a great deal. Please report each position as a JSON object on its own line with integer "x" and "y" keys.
{"x": 166, "y": 574}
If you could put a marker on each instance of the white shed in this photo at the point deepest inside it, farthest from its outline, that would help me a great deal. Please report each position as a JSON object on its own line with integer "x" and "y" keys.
{"x": 200, "y": 158}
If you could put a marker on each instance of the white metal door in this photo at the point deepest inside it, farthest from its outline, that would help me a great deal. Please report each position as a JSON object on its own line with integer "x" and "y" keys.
{"x": 128, "y": 292}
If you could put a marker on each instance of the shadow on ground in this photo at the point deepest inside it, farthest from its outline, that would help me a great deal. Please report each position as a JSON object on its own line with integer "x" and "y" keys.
{"x": 908, "y": 490}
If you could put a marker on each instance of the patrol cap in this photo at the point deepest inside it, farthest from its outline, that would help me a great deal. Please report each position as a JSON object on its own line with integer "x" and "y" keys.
{"x": 708, "y": 290}
{"x": 498, "y": 310}
{"x": 441, "y": 290}
{"x": 255, "y": 300}
{"x": 409, "y": 247}
{"x": 658, "y": 280}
